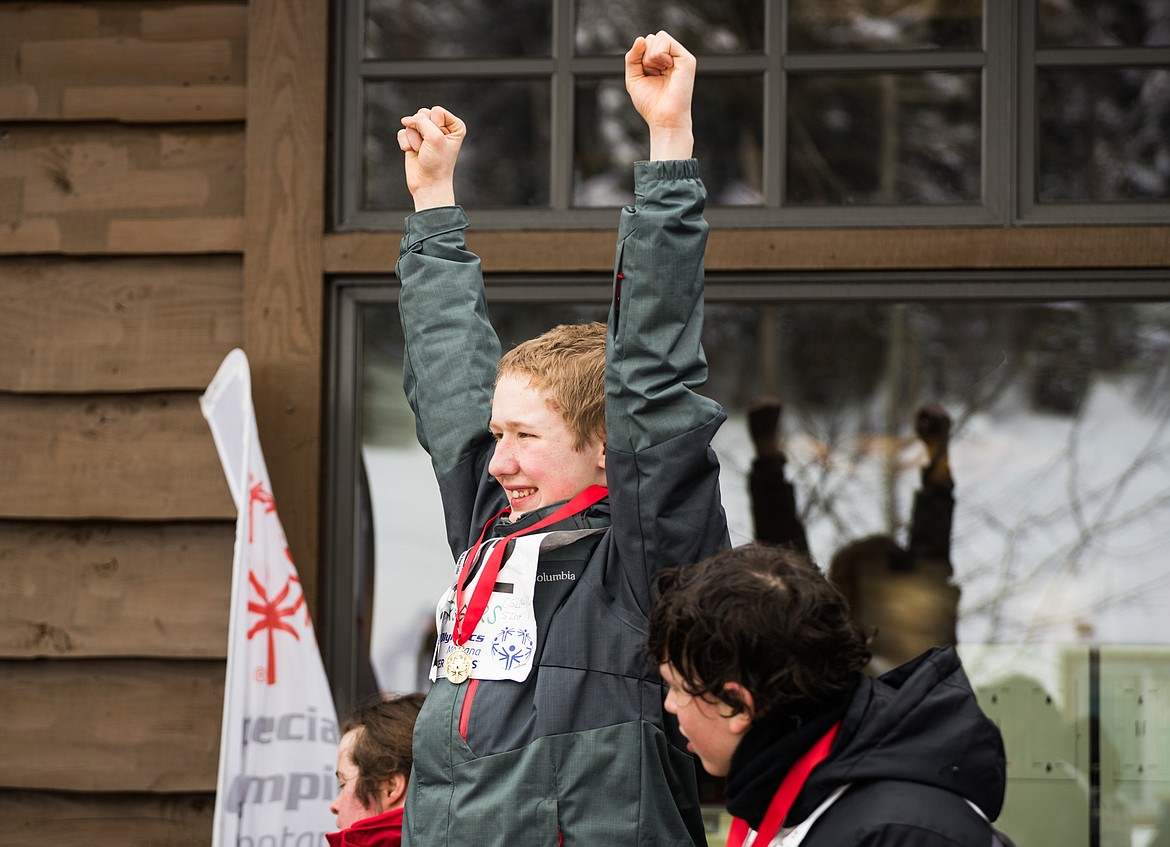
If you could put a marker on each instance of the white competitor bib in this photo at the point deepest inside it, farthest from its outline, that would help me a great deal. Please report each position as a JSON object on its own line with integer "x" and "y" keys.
{"x": 504, "y": 642}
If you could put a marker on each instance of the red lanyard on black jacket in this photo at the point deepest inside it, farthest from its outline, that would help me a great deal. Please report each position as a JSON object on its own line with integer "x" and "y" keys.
{"x": 785, "y": 795}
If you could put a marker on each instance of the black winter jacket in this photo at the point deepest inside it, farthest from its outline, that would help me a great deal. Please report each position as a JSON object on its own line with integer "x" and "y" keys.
{"x": 913, "y": 747}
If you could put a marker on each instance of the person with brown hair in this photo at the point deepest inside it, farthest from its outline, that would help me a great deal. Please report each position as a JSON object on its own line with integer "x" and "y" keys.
{"x": 373, "y": 769}
{"x": 763, "y": 664}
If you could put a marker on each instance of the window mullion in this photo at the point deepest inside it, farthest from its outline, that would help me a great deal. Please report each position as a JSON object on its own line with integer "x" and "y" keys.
{"x": 460, "y": 69}
{"x": 775, "y": 142}
{"x": 923, "y": 60}
{"x": 561, "y": 131}
{"x": 1097, "y": 57}
{"x": 1000, "y": 141}
{"x": 1026, "y": 130}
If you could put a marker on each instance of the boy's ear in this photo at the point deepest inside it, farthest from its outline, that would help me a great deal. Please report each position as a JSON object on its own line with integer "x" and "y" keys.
{"x": 741, "y": 721}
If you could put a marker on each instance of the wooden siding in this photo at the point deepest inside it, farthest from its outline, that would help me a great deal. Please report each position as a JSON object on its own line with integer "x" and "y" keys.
{"x": 123, "y": 61}
{"x": 52, "y": 819}
{"x": 125, "y": 277}
{"x": 131, "y": 457}
{"x": 107, "y": 188}
{"x": 82, "y": 589}
{"x": 111, "y": 725}
{"x": 117, "y": 324}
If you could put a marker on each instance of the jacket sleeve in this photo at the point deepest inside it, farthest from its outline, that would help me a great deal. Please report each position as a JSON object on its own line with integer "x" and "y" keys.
{"x": 450, "y": 360}
{"x": 930, "y": 524}
{"x": 906, "y": 835}
{"x": 773, "y": 499}
{"x": 663, "y": 474}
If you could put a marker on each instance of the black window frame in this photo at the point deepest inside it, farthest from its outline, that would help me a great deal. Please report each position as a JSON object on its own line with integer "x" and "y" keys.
{"x": 1008, "y": 62}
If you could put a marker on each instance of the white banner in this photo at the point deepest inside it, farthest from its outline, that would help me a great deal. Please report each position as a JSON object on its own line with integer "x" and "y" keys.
{"x": 278, "y": 748}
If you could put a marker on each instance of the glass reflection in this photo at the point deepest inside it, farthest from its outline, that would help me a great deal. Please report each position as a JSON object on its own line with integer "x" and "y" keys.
{"x": 884, "y": 138}
{"x": 457, "y": 29}
{"x": 728, "y": 141}
{"x": 1059, "y": 446}
{"x": 1059, "y": 455}
{"x": 1104, "y": 23}
{"x": 606, "y": 27}
{"x": 1104, "y": 134}
{"x": 505, "y": 161}
{"x": 819, "y": 25}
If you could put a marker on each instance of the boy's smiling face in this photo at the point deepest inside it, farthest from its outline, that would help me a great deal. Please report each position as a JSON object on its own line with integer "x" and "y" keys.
{"x": 534, "y": 459}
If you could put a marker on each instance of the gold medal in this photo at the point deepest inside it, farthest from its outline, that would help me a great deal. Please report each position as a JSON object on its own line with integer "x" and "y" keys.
{"x": 457, "y": 666}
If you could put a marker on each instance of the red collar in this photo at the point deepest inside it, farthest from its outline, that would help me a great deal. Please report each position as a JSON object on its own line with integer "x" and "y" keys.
{"x": 468, "y": 612}
{"x": 384, "y": 830}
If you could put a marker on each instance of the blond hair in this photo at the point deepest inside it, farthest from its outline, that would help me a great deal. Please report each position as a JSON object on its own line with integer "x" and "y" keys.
{"x": 567, "y": 365}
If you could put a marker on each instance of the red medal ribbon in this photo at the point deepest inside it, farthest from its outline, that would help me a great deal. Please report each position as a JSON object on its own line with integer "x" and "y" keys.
{"x": 466, "y": 621}
{"x": 785, "y": 795}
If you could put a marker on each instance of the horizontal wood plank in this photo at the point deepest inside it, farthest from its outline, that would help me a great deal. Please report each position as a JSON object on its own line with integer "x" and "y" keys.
{"x": 84, "y": 189}
{"x": 147, "y": 456}
{"x": 117, "y": 324}
{"x": 157, "y": 103}
{"x": 113, "y": 725}
{"x": 175, "y": 235}
{"x": 51, "y": 819}
{"x": 128, "y": 61}
{"x": 115, "y": 589}
{"x": 111, "y": 60}
{"x": 781, "y": 249}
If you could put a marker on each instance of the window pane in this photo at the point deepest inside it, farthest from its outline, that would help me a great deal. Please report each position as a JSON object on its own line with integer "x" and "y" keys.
{"x": 1059, "y": 455}
{"x": 610, "y": 137}
{"x": 816, "y": 25}
{"x": 884, "y": 138}
{"x": 1103, "y": 23}
{"x": 464, "y": 29}
{"x": 411, "y": 563}
{"x": 504, "y": 160}
{"x": 1060, "y": 459}
{"x": 1104, "y": 135}
{"x": 1059, "y": 448}
{"x": 704, "y": 26}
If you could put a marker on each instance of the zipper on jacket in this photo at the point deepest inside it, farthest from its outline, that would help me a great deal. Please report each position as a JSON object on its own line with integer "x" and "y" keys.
{"x": 465, "y": 709}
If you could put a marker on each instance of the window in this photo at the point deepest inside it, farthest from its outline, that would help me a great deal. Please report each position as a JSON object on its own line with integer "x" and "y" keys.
{"x": 1098, "y": 85}
{"x": 1056, "y": 385}
{"x": 807, "y": 113}
{"x": 894, "y": 114}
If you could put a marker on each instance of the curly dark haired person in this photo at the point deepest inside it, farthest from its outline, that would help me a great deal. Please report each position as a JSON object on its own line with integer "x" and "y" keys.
{"x": 763, "y": 666}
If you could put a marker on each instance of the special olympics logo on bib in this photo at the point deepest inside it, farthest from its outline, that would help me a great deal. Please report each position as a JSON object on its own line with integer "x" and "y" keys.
{"x": 512, "y": 647}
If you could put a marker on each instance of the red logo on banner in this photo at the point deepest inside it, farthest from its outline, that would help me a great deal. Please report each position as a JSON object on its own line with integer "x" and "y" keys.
{"x": 257, "y": 494}
{"x": 272, "y": 618}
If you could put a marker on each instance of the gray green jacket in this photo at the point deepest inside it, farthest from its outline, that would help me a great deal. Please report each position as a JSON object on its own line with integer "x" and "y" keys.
{"x": 578, "y": 750}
